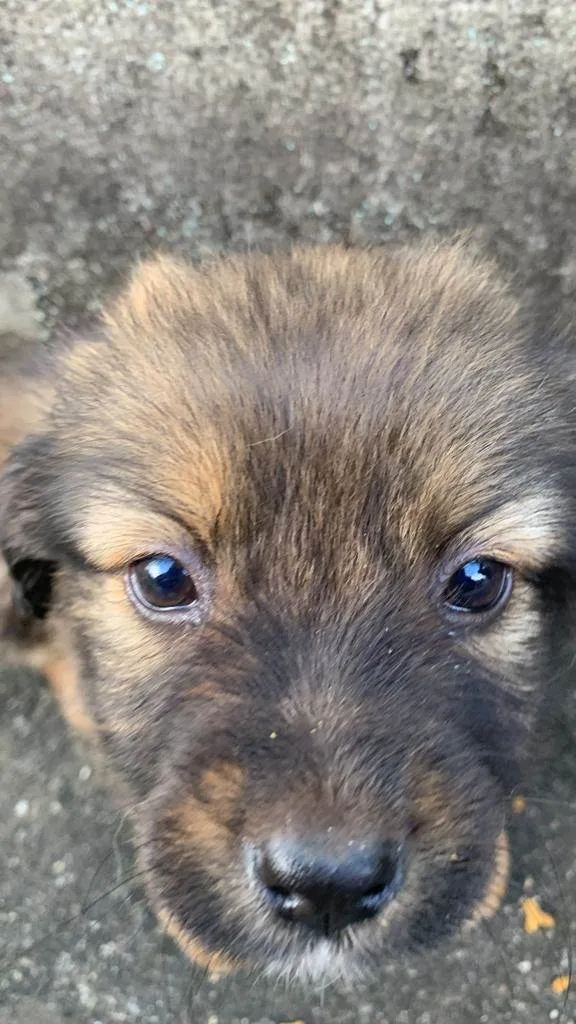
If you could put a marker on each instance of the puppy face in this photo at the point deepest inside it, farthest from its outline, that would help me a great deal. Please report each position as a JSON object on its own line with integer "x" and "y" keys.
{"x": 303, "y": 523}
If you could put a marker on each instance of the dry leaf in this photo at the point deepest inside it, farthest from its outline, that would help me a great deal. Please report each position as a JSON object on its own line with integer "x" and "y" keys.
{"x": 560, "y": 984}
{"x": 534, "y": 917}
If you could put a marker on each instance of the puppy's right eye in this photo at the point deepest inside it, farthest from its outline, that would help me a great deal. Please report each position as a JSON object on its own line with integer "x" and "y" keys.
{"x": 162, "y": 583}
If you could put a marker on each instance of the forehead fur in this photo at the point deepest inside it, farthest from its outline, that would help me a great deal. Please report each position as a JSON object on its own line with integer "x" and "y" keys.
{"x": 329, "y": 380}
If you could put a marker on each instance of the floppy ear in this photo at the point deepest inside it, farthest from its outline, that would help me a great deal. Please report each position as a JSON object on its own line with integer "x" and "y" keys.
{"x": 24, "y": 537}
{"x": 26, "y": 566}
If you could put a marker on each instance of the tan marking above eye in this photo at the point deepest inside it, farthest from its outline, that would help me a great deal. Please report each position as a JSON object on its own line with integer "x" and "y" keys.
{"x": 525, "y": 534}
{"x": 112, "y": 534}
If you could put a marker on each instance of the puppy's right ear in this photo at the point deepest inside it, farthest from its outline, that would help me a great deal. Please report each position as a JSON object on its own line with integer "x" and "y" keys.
{"x": 29, "y": 560}
{"x": 26, "y": 396}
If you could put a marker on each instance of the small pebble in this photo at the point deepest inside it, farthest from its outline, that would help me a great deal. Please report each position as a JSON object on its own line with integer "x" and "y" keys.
{"x": 525, "y": 966}
{"x": 21, "y": 808}
{"x": 156, "y": 61}
{"x": 107, "y": 950}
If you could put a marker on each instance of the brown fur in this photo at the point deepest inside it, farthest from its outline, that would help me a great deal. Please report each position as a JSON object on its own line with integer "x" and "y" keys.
{"x": 324, "y": 436}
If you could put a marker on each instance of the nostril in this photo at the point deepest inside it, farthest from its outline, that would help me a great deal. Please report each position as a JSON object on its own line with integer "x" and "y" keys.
{"x": 389, "y": 869}
{"x": 387, "y": 881}
{"x": 279, "y": 891}
{"x": 279, "y": 896}
{"x": 270, "y": 874}
{"x": 376, "y": 890}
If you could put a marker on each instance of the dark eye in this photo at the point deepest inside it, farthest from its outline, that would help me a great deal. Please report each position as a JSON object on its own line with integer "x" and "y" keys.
{"x": 478, "y": 586}
{"x": 162, "y": 582}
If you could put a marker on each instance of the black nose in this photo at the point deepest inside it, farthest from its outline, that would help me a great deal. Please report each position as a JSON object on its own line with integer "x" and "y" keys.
{"x": 327, "y": 889}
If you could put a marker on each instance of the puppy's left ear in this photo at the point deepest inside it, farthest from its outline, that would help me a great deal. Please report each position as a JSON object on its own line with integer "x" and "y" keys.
{"x": 29, "y": 563}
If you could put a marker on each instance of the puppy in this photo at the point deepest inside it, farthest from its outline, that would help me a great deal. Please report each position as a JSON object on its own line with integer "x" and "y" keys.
{"x": 293, "y": 541}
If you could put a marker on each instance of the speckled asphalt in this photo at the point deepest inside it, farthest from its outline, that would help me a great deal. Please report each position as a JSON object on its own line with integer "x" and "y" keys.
{"x": 199, "y": 125}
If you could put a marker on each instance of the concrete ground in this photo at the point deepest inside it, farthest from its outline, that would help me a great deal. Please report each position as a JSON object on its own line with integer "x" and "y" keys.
{"x": 200, "y": 125}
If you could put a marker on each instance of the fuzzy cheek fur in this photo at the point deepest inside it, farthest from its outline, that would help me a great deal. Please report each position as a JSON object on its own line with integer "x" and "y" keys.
{"x": 323, "y": 441}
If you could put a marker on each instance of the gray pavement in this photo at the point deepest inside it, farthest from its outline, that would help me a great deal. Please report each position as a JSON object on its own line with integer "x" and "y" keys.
{"x": 202, "y": 125}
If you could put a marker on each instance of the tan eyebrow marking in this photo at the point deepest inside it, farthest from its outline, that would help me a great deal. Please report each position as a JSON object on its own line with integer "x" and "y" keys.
{"x": 112, "y": 535}
{"x": 526, "y": 532}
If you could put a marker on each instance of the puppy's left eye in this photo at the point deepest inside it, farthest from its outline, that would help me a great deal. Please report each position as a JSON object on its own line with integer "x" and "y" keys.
{"x": 479, "y": 586}
{"x": 161, "y": 582}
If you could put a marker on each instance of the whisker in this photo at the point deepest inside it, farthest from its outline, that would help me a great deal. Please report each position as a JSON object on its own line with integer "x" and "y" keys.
{"x": 501, "y": 956}
{"x": 38, "y": 943}
{"x": 191, "y": 993}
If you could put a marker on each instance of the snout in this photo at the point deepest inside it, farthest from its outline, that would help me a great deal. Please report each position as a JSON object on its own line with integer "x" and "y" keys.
{"x": 316, "y": 855}
{"x": 324, "y": 886}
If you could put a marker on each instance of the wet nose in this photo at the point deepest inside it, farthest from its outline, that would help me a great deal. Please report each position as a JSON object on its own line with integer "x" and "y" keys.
{"x": 329, "y": 890}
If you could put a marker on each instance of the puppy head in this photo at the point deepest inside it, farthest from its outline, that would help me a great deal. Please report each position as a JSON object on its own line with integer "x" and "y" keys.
{"x": 307, "y": 520}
